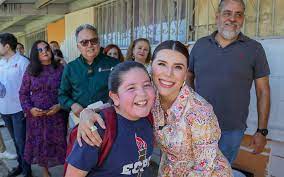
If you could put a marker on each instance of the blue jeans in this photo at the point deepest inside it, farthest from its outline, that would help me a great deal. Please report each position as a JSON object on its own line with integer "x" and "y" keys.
{"x": 230, "y": 142}
{"x": 16, "y": 124}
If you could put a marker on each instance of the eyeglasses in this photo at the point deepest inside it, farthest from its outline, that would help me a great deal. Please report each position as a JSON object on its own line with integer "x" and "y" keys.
{"x": 93, "y": 41}
{"x": 44, "y": 49}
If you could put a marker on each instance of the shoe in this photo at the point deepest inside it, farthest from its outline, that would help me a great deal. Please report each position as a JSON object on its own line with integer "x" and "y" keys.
{"x": 15, "y": 172}
{"x": 8, "y": 155}
{"x": 2, "y": 123}
{"x": 28, "y": 176}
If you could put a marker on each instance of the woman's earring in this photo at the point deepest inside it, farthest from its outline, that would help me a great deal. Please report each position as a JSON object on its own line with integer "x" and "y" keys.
{"x": 184, "y": 82}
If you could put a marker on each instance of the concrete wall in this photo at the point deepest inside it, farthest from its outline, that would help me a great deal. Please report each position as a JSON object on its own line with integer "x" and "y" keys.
{"x": 274, "y": 51}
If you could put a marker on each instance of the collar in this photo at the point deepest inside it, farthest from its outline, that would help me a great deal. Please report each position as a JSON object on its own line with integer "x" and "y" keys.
{"x": 241, "y": 37}
{"x": 96, "y": 60}
{"x": 11, "y": 58}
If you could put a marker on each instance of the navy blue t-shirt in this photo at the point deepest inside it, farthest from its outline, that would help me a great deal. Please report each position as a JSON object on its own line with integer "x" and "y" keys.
{"x": 130, "y": 153}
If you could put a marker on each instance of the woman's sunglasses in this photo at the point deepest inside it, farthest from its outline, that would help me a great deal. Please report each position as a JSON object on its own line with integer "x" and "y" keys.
{"x": 44, "y": 49}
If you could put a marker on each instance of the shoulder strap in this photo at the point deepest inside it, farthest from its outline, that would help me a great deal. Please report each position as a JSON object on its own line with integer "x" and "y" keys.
{"x": 150, "y": 118}
{"x": 109, "y": 133}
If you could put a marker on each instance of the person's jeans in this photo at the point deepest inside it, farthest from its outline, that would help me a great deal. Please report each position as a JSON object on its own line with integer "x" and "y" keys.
{"x": 16, "y": 124}
{"x": 230, "y": 142}
{"x": 2, "y": 145}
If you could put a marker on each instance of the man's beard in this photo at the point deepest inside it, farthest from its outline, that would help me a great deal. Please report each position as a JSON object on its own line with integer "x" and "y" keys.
{"x": 229, "y": 34}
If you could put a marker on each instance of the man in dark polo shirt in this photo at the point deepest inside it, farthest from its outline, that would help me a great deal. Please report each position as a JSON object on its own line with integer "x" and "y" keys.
{"x": 84, "y": 80}
{"x": 223, "y": 67}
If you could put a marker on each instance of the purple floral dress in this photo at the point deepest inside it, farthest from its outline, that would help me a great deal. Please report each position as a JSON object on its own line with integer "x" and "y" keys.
{"x": 45, "y": 139}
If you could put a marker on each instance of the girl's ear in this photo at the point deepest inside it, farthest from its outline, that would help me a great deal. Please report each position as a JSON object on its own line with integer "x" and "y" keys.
{"x": 114, "y": 97}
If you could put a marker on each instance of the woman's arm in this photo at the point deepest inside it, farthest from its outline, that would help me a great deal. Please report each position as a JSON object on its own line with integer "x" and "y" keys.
{"x": 87, "y": 119}
{"x": 75, "y": 172}
{"x": 205, "y": 136}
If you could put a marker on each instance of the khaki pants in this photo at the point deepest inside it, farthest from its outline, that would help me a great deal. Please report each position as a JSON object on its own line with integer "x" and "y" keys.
{"x": 2, "y": 145}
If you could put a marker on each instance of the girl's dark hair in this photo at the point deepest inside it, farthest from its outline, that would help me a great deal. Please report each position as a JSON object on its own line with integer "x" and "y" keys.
{"x": 35, "y": 66}
{"x": 110, "y": 46}
{"x": 129, "y": 55}
{"x": 114, "y": 80}
{"x": 172, "y": 45}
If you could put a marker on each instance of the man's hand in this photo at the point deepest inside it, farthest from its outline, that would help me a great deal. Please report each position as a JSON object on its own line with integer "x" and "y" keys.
{"x": 76, "y": 109}
{"x": 36, "y": 112}
{"x": 53, "y": 110}
{"x": 258, "y": 143}
{"x": 87, "y": 120}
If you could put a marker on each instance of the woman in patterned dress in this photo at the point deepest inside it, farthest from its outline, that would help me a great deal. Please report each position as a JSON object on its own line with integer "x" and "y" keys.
{"x": 185, "y": 126}
{"x": 46, "y": 127}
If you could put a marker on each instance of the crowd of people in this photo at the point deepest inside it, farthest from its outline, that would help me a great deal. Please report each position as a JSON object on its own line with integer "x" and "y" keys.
{"x": 192, "y": 106}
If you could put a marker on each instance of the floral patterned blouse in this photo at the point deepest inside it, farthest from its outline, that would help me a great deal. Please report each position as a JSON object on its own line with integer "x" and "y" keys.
{"x": 188, "y": 135}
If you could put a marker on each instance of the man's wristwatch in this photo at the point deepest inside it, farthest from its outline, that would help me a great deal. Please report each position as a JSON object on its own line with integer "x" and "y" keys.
{"x": 263, "y": 131}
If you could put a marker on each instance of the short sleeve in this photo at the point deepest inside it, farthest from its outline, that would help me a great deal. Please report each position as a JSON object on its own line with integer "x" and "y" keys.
{"x": 84, "y": 158}
{"x": 261, "y": 67}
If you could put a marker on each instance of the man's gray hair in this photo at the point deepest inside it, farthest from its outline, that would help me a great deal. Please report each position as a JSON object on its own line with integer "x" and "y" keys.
{"x": 85, "y": 26}
{"x": 222, "y": 2}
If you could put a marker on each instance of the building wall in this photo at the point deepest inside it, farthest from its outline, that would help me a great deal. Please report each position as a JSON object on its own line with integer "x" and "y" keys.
{"x": 72, "y": 21}
{"x": 56, "y": 31}
{"x": 263, "y": 18}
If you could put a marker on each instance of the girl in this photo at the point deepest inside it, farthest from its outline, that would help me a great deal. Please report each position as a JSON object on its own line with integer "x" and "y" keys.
{"x": 132, "y": 94}
{"x": 185, "y": 126}
{"x": 46, "y": 127}
{"x": 114, "y": 51}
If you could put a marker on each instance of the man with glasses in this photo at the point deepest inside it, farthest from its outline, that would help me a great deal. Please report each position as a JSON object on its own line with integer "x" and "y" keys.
{"x": 12, "y": 68}
{"x": 84, "y": 80}
{"x": 223, "y": 75}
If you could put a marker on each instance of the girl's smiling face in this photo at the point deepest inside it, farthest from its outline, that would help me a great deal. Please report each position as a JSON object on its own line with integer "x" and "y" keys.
{"x": 135, "y": 95}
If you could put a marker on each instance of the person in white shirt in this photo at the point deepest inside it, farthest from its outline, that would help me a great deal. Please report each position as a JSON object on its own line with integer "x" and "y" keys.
{"x": 12, "y": 68}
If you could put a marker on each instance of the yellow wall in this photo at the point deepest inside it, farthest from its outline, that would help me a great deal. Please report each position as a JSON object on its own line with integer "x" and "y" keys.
{"x": 75, "y": 19}
{"x": 56, "y": 31}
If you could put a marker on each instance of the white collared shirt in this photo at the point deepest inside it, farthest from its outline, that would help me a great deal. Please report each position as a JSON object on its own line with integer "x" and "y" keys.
{"x": 11, "y": 75}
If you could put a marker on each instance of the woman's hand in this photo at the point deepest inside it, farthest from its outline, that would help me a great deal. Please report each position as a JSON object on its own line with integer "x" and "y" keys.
{"x": 36, "y": 112}
{"x": 87, "y": 120}
{"x": 76, "y": 109}
{"x": 53, "y": 110}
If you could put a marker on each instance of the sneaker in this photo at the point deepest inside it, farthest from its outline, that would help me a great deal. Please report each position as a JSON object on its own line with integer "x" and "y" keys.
{"x": 15, "y": 172}
{"x": 8, "y": 155}
{"x": 2, "y": 123}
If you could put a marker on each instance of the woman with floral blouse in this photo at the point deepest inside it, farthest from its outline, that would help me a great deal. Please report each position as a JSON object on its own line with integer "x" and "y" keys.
{"x": 185, "y": 126}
